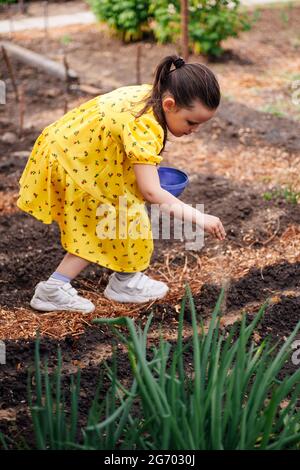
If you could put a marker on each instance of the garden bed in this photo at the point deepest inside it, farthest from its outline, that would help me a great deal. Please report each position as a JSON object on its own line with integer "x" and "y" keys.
{"x": 233, "y": 161}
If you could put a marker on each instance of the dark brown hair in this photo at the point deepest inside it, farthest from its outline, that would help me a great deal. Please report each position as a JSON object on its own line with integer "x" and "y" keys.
{"x": 186, "y": 83}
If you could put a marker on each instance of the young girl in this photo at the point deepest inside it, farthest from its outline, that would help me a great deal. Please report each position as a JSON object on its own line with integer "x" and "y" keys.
{"x": 105, "y": 151}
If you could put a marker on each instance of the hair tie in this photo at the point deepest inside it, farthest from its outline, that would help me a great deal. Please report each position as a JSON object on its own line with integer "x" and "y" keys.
{"x": 179, "y": 62}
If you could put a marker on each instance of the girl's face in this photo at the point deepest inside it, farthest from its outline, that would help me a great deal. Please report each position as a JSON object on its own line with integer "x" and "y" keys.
{"x": 183, "y": 121}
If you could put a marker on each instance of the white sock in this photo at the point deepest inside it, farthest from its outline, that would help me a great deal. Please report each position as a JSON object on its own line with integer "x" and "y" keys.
{"x": 124, "y": 276}
{"x": 57, "y": 278}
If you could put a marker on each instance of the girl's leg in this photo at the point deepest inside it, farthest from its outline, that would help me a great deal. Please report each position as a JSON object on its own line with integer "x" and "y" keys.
{"x": 71, "y": 266}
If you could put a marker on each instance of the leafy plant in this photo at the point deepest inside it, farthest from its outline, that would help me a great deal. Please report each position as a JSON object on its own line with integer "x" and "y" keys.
{"x": 165, "y": 20}
{"x": 210, "y": 22}
{"x": 66, "y": 39}
{"x": 286, "y": 193}
{"x": 218, "y": 390}
{"x": 275, "y": 109}
{"x": 285, "y": 13}
{"x": 214, "y": 21}
{"x": 56, "y": 425}
{"x": 230, "y": 400}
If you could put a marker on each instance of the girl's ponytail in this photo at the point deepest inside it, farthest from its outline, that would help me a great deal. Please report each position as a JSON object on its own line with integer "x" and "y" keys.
{"x": 159, "y": 87}
{"x": 161, "y": 80}
{"x": 162, "y": 72}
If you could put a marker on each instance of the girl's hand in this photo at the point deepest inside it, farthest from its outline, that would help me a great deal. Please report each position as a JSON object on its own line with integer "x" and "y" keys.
{"x": 214, "y": 226}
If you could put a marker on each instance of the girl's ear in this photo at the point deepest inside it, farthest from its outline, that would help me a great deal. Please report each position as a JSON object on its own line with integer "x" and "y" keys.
{"x": 169, "y": 104}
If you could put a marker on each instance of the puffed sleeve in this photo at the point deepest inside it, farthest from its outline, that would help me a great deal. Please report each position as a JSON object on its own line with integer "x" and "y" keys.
{"x": 143, "y": 140}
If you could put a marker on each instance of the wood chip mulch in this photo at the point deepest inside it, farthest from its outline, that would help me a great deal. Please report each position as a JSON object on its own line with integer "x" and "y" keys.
{"x": 197, "y": 269}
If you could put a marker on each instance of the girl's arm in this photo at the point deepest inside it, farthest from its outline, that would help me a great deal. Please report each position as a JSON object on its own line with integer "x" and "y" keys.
{"x": 149, "y": 185}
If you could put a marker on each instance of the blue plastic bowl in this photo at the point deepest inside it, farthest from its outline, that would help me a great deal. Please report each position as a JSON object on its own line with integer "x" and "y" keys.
{"x": 172, "y": 180}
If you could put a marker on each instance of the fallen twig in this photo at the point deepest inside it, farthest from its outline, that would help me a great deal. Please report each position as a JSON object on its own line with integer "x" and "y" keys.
{"x": 184, "y": 269}
{"x": 273, "y": 235}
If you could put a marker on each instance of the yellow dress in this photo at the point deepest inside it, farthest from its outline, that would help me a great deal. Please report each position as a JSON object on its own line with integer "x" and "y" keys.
{"x": 80, "y": 174}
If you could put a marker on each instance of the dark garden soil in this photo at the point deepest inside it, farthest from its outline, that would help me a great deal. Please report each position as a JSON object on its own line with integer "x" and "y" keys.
{"x": 257, "y": 286}
{"x": 260, "y": 230}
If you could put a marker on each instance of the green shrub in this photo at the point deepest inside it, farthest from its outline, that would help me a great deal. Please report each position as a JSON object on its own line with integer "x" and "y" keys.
{"x": 213, "y": 23}
{"x": 210, "y": 22}
{"x": 165, "y": 22}
{"x": 127, "y": 18}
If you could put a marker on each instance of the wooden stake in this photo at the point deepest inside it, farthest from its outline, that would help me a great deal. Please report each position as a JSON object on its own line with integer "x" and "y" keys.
{"x": 46, "y": 3}
{"x": 21, "y": 110}
{"x": 22, "y": 7}
{"x": 67, "y": 78}
{"x": 184, "y": 30}
{"x": 11, "y": 73}
{"x": 66, "y": 107}
{"x": 67, "y": 74}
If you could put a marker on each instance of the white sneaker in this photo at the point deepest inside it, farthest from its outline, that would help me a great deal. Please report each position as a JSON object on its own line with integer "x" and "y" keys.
{"x": 52, "y": 296}
{"x": 138, "y": 289}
